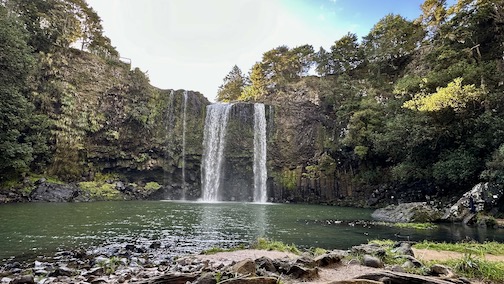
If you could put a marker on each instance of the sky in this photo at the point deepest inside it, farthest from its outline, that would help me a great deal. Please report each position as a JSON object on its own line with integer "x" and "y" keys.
{"x": 193, "y": 44}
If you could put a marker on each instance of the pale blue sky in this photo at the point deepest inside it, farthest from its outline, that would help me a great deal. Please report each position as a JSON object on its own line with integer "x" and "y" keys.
{"x": 193, "y": 44}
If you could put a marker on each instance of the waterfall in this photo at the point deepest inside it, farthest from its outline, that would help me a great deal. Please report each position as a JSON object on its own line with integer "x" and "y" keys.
{"x": 214, "y": 141}
{"x": 169, "y": 137}
{"x": 260, "y": 171}
{"x": 184, "y": 122}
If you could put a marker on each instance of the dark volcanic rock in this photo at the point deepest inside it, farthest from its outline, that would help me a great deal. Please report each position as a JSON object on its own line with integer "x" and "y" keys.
{"x": 51, "y": 192}
{"x": 25, "y": 279}
{"x": 303, "y": 273}
{"x": 372, "y": 261}
{"x": 403, "y": 248}
{"x": 246, "y": 266}
{"x": 266, "y": 264}
{"x": 372, "y": 249}
{"x": 328, "y": 259}
{"x": 482, "y": 197}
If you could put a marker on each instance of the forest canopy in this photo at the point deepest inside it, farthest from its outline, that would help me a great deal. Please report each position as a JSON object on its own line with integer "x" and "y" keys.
{"x": 413, "y": 101}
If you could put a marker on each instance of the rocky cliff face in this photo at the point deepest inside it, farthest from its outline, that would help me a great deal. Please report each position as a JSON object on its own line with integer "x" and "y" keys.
{"x": 299, "y": 167}
{"x": 109, "y": 119}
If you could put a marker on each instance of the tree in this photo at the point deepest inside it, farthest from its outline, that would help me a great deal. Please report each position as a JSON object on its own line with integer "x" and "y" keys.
{"x": 390, "y": 45}
{"x": 324, "y": 64}
{"x": 346, "y": 54}
{"x": 433, "y": 16}
{"x": 61, "y": 23}
{"x": 281, "y": 66}
{"x": 233, "y": 85}
{"x": 16, "y": 61}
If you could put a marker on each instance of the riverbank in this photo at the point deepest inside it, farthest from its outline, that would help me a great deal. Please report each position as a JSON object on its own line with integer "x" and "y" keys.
{"x": 396, "y": 261}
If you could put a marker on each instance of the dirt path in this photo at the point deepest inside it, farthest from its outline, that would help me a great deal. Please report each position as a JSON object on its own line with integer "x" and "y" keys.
{"x": 328, "y": 274}
{"x": 440, "y": 255}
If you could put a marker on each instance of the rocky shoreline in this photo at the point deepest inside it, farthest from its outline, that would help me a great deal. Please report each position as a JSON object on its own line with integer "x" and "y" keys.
{"x": 156, "y": 264}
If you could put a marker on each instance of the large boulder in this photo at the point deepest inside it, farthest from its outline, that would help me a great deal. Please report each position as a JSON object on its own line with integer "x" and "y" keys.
{"x": 419, "y": 212}
{"x": 51, "y": 192}
{"x": 482, "y": 197}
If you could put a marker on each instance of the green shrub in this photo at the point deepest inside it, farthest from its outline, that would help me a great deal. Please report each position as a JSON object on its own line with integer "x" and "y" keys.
{"x": 100, "y": 191}
{"x": 152, "y": 186}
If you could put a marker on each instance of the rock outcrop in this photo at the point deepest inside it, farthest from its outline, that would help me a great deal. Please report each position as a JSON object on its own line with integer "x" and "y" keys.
{"x": 484, "y": 197}
{"x": 50, "y": 192}
{"x": 419, "y": 212}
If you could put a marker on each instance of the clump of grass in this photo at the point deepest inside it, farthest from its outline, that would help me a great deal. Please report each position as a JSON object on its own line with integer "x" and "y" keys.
{"x": 416, "y": 226}
{"x": 215, "y": 250}
{"x": 494, "y": 248}
{"x": 474, "y": 267}
{"x": 35, "y": 177}
{"x": 266, "y": 244}
{"x": 391, "y": 257}
{"x": 110, "y": 265}
{"x": 318, "y": 251}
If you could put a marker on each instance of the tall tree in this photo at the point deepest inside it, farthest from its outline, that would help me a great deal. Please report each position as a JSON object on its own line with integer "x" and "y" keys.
{"x": 233, "y": 85}
{"x": 390, "y": 45}
{"x": 282, "y": 65}
{"x": 346, "y": 54}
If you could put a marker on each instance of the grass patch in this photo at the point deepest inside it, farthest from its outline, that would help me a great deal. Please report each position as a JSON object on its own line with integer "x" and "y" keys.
{"x": 416, "y": 226}
{"x": 215, "y": 250}
{"x": 318, "y": 251}
{"x": 35, "y": 177}
{"x": 471, "y": 266}
{"x": 493, "y": 248}
{"x": 100, "y": 191}
{"x": 391, "y": 257}
{"x": 266, "y": 244}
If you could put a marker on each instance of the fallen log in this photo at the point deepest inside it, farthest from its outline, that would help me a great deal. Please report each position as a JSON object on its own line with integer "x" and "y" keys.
{"x": 406, "y": 278}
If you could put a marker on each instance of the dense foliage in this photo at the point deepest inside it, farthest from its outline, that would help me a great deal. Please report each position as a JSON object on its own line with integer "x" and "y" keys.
{"x": 44, "y": 120}
{"x": 413, "y": 103}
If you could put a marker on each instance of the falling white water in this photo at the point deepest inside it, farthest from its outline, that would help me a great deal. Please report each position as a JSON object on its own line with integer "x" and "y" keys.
{"x": 260, "y": 171}
{"x": 184, "y": 119}
{"x": 214, "y": 142}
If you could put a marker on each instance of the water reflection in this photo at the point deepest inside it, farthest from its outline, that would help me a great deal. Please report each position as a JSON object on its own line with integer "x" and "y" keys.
{"x": 189, "y": 227}
{"x": 227, "y": 224}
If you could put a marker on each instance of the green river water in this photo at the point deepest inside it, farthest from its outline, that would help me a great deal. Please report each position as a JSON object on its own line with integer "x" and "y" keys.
{"x": 28, "y": 230}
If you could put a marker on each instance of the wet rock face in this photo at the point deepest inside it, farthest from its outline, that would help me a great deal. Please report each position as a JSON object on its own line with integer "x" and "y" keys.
{"x": 237, "y": 182}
